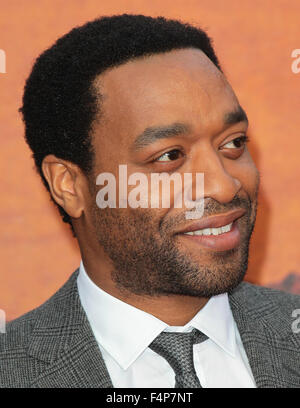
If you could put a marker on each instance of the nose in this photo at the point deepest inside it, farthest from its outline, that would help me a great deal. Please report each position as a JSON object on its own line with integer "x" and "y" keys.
{"x": 219, "y": 184}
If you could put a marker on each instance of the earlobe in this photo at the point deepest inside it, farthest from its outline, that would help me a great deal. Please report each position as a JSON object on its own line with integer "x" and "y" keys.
{"x": 63, "y": 180}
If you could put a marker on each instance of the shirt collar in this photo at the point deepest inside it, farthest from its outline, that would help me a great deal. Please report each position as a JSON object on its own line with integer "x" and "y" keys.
{"x": 125, "y": 331}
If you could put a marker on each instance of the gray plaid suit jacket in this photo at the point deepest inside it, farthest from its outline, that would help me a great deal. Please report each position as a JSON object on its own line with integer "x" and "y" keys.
{"x": 53, "y": 345}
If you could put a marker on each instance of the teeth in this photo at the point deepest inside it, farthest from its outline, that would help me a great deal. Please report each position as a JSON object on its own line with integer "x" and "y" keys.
{"x": 226, "y": 228}
{"x": 211, "y": 231}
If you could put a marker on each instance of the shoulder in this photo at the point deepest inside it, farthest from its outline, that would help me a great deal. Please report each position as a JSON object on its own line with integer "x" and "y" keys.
{"x": 16, "y": 364}
{"x": 275, "y": 308}
{"x": 268, "y": 321}
{"x": 252, "y": 296}
{"x": 17, "y": 330}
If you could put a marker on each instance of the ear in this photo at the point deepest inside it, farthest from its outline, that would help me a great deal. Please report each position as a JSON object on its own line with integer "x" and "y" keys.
{"x": 66, "y": 183}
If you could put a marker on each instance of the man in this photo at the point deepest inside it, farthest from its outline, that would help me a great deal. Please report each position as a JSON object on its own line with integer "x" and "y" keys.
{"x": 158, "y": 300}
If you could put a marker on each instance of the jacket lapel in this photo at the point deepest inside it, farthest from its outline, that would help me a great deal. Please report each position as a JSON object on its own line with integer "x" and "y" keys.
{"x": 66, "y": 352}
{"x": 267, "y": 337}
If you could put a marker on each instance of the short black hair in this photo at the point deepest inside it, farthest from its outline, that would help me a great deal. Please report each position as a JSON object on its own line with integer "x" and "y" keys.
{"x": 59, "y": 101}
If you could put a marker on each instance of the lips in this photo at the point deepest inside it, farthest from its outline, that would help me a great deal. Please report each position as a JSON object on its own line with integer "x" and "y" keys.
{"x": 214, "y": 221}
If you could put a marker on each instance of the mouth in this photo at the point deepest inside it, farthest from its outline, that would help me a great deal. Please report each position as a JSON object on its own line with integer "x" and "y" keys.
{"x": 219, "y": 233}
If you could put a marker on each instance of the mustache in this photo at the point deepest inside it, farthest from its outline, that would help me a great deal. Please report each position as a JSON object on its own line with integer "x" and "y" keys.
{"x": 211, "y": 207}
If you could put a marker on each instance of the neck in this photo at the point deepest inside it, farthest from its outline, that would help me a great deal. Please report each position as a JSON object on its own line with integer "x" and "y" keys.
{"x": 174, "y": 310}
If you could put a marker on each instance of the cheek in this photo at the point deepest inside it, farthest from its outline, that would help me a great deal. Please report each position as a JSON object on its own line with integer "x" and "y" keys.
{"x": 246, "y": 172}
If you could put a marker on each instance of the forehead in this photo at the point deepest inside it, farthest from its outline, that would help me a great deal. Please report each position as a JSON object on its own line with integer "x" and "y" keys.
{"x": 178, "y": 86}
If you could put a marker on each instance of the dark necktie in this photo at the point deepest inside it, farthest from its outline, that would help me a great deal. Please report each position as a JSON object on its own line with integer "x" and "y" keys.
{"x": 177, "y": 349}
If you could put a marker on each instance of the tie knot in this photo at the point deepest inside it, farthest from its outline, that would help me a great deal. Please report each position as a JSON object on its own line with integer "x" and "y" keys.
{"x": 177, "y": 349}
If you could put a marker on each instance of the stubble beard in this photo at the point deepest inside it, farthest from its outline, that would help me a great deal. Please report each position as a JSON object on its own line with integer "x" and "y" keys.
{"x": 148, "y": 262}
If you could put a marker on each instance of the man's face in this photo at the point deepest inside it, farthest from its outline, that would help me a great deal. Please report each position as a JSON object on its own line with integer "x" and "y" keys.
{"x": 181, "y": 91}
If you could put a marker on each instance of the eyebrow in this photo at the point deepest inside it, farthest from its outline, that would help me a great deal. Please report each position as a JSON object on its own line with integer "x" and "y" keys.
{"x": 152, "y": 134}
{"x": 237, "y": 116}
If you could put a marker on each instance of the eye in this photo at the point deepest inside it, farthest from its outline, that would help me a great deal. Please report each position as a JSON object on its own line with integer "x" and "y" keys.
{"x": 236, "y": 143}
{"x": 170, "y": 156}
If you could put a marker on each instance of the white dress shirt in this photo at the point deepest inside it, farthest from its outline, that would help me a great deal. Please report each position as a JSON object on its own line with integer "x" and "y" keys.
{"x": 124, "y": 333}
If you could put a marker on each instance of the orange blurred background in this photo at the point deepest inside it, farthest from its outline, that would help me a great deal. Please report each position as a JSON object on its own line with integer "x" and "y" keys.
{"x": 254, "y": 41}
